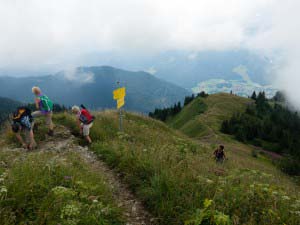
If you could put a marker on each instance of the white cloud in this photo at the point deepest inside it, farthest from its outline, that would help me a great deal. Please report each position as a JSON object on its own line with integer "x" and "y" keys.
{"x": 40, "y": 32}
{"x": 193, "y": 56}
{"x": 151, "y": 70}
{"x": 75, "y": 75}
{"x": 37, "y": 33}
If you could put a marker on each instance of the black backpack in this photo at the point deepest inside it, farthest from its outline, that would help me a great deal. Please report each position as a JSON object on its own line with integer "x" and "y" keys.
{"x": 20, "y": 113}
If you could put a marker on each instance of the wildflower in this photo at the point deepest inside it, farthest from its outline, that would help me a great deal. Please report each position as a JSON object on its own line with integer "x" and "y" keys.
{"x": 275, "y": 193}
{"x": 265, "y": 189}
{"x": 63, "y": 191}
{"x": 207, "y": 203}
{"x": 4, "y": 175}
{"x": 70, "y": 210}
{"x": 297, "y": 213}
{"x": 95, "y": 201}
{"x": 221, "y": 218}
{"x": 285, "y": 197}
{"x": 209, "y": 181}
{"x": 3, "y": 189}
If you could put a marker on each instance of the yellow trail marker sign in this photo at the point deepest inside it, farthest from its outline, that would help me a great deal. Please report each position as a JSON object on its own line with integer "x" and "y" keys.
{"x": 120, "y": 102}
{"x": 119, "y": 93}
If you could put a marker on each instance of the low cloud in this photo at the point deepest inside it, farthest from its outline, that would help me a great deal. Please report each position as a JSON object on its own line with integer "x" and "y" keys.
{"x": 75, "y": 75}
{"x": 42, "y": 33}
{"x": 151, "y": 70}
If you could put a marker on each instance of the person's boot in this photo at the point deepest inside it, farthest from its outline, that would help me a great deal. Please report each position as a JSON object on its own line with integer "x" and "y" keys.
{"x": 51, "y": 133}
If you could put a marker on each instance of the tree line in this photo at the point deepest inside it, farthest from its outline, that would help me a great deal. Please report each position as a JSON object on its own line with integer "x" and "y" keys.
{"x": 271, "y": 125}
{"x": 164, "y": 113}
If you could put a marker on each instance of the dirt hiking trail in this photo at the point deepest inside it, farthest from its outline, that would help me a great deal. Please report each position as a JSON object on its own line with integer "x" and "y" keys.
{"x": 63, "y": 141}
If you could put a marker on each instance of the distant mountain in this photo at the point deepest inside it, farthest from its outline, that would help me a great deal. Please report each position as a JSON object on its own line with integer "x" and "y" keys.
{"x": 93, "y": 86}
{"x": 188, "y": 68}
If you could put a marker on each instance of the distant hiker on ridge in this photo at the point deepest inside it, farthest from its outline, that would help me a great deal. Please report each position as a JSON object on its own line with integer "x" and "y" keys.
{"x": 219, "y": 154}
{"x": 23, "y": 122}
{"x": 45, "y": 108}
{"x": 84, "y": 120}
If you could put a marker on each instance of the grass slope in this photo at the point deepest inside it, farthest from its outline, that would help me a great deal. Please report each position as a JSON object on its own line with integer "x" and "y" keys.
{"x": 178, "y": 180}
{"x": 52, "y": 187}
{"x": 203, "y": 116}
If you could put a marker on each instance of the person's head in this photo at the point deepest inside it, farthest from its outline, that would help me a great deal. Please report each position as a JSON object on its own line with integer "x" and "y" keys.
{"x": 15, "y": 127}
{"x": 75, "y": 109}
{"x": 36, "y": 90}
{"x": 221, "y": 147}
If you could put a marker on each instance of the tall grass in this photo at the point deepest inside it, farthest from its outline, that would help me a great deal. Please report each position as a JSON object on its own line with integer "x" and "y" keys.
{"x": 179, "y": 182}
{"x": 46, "y": 188}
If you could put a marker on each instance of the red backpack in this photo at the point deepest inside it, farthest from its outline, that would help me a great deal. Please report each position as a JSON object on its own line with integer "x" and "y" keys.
{"x": 86, "y": 117}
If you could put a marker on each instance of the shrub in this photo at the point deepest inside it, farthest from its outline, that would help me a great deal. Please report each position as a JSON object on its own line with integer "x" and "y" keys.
{"x": 290, "y": 166}
{"x": 254, "y": 153}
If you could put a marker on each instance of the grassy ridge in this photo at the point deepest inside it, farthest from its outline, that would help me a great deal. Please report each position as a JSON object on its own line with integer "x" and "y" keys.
{"x": 179, "y": 182}
{"x": 203, "y": 116}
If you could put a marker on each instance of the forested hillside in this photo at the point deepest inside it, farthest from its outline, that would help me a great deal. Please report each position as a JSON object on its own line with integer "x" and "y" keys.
{"x": 271, "y": 126}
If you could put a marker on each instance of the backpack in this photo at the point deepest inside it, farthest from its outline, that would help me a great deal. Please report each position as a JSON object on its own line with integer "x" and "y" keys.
{"x": 220, "y": 154}
{"x": 46, "y": 103}
{"x": 20, "y": 113}
{"x": 86, "y": 117}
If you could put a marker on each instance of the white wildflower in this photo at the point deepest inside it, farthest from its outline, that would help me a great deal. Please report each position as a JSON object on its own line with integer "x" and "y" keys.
{"x": 3, "y": 189}
{"x": 285, "y": 197}
{"x": 209, "y": 181}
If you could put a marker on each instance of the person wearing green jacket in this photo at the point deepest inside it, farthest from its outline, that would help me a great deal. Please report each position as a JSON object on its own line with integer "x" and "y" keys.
{"x": 45, "y": 108}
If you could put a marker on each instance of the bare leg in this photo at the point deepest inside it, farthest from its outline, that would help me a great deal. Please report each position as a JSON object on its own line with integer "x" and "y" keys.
{"x": 32, "y": 143}
{"x": 50, "y": 123}
{"x": 86, "y": 132}
{"x": 88, "y": 139}
{"x": 20, "y": 139}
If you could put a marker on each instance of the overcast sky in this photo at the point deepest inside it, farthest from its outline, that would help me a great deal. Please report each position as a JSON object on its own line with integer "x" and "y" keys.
{"x": 44, "y": 32}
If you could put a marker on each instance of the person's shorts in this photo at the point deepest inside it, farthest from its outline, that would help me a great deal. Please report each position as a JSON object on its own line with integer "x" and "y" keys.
{"x": 48, "y": 116}
{"x": 86, "y": 129}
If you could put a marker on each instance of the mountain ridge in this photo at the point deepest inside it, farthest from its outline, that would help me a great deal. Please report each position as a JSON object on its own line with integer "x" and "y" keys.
{"x": 93, "y": 87}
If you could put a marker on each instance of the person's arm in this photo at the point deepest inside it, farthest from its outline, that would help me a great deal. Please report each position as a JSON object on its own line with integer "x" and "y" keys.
{"x": 20, "y": 139}
{"x": 215, "y": 152}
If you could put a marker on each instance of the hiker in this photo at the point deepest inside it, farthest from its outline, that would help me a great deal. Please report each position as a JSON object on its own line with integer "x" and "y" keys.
{"x": 219, "y": 154}
{"x": 84, "y": 120}
{"x": 23, "y": 122}
{"x": 45, "y": 108}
